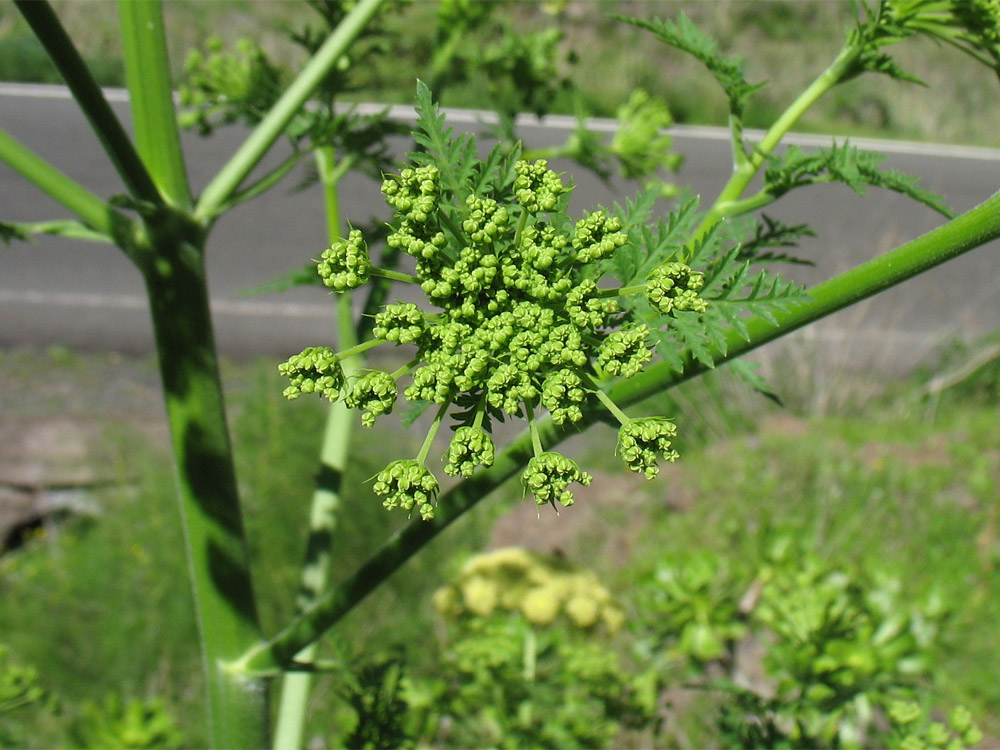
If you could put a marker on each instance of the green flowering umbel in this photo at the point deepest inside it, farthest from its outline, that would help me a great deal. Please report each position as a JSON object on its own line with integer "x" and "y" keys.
{"x": 345, "y": 264}
{"x": 519, "y": 322}
{"x": 407, "y": 484}
{"x": 315, "y": 370}
{"x": 641, "y": 442}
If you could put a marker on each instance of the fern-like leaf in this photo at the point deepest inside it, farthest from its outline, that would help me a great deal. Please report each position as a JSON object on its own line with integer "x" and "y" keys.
{"x": 454, "y": 156}
{"x": 854, "y": 167}
{"x": 684, "y": 35}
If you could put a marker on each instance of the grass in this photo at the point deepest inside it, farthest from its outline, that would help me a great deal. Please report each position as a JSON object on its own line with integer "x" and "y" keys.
{"x": 100, "y": 604}
{"x": 958, "y": 106}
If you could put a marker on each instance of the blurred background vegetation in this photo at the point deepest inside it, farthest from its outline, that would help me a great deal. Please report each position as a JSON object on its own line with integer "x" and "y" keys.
{"x": 785, "y": 42}
{"x": 886, "y": 496}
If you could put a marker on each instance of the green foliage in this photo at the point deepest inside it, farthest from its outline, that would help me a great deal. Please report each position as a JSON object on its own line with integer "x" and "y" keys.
{"x": 113, "y": 723}
{"x": 845, "y": 164}
{"x": 913, "y": 729}
{"x": 839, "y": 644}
{"x": 529, "y": 661}
{"x": 524, "y": 322}
{"x": 729, "y": 72}
{"x": 19, "y": 689}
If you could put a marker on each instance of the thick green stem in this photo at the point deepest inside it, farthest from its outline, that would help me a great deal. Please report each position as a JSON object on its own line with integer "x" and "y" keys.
{"x": 745, "y": 169}
{"x": 326, "y": 499}
{"x": 90, "y": 98}
{"x": 147, "y": 71}
{"x": 228, "y": 180}
{"x": 213, "y": 527}
{"x": 970, "y": 230}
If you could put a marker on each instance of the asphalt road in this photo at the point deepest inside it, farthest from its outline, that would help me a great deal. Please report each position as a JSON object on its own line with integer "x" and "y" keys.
{"x": 86, "y": 295}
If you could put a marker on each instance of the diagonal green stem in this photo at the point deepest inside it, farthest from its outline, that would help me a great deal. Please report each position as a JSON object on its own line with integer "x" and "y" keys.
{"x": 745, "y": 169}
{"x": 970, "y": 230}
{"x": 231, "y": 176}
{"x": 58, "y": 45}
{"x": 154, "y": 121}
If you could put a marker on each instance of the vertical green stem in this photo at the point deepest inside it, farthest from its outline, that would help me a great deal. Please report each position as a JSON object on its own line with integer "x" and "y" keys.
{"x": 530, "y": 655}
{"x": 213, "y": 527}
{"x": 88, "y": 95}
{"x": 229, "y": 178}
{"x": 154, "y": 122}
{"x": 326, "y": 499}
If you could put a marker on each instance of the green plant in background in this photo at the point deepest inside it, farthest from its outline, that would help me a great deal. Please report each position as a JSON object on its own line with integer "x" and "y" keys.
{"x": 913, "y": 729}
{"x": 837, "y": 646}
{"x": 19, "y": 689}
{"x": 697, "y": 601}
{"x": 686, "y": 284}
{"x": 530, "y": 659}
{"x": 113, "y": 723}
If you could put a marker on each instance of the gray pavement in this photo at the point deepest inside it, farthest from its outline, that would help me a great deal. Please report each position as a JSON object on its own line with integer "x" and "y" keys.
{"x": 55, "y": 291}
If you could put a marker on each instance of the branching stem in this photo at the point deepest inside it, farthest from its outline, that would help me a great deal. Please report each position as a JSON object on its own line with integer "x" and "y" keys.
{"x": 429, "y": 440}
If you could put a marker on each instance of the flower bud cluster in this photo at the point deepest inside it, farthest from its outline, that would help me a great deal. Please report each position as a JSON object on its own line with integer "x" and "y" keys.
{"x": 315, "y": 370}
{"x": 470, "y": 448}
{"x": 674, "y": 287}
{"x": 403, "y": 323}
{"x": 597, "y": 236}
{"x": 407, "y": 484}
{"x": 641, "y": 442}
{"x": 564, "y": 395}
{"x": 536, "y": 187}
{"x": 624, "y": 352}
{"x": 375, "y": 393}
{"x": 519, "y": 325}
{"x": 549, "y": 475}
{"x": 345, "y": 264}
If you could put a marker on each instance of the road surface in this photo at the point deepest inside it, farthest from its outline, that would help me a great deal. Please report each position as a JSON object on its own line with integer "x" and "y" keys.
{"x": 84, "y": 295}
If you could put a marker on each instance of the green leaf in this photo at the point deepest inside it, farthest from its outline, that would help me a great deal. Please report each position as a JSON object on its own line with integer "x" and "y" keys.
{"x": 454, "y": 156}
{"x": 649, "y": 246}
{"x": 685, "y": 36}
{"x": 748, "y": 373}
{"x": 854, "y": 167}
{"x": 770, "y": 232}
{"x": 412, "y": 412}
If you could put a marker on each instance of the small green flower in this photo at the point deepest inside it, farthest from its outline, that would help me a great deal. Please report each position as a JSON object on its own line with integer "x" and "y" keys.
{"x": 433, "y": 382}
{"x": 403, "y": 323}
{"x": 624, "y": 352}
{"x": 315, "y": 370}
{"x": 563, "y": 395}
{"x": 406, "y": 484}
{"x": 536, "y": 187}
{"x": 345, "y": 264}
{"x": 414, "y": 193}
{"x": 375, "y": 392}
{"x": 641, "y": 442}
{"x": 508, "y": 387}
{"x": 674, "y": 287}
{"x": 548, "y": 476}
{"x": 586, "y": 308}
{"x": 470, "y": 447}
{"x": 597, "y": 236}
